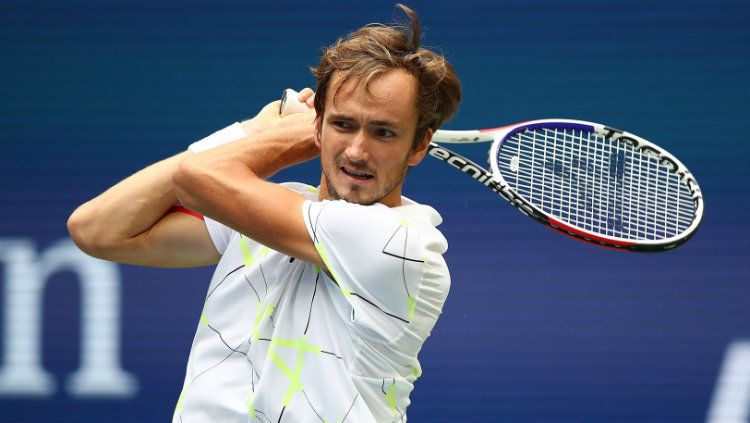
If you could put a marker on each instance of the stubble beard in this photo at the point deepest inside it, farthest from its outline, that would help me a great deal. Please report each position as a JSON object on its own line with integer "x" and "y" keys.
{"x": 390, "y": 185}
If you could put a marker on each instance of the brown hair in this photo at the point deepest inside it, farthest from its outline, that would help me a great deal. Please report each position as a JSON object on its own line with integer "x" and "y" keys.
{"x": 376, "y": 49}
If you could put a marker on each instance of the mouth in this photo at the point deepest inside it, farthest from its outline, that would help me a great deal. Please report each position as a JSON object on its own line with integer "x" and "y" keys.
{"x": 357, "y": 175}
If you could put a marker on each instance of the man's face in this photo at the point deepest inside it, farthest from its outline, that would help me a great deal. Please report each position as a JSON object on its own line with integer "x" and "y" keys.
{"x": 366, "y": 139}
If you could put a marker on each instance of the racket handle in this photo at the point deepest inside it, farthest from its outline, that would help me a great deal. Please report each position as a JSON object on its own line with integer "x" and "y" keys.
{"x": 290, "y": 103}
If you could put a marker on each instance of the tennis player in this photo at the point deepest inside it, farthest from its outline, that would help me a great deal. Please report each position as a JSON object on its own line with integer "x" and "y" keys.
{"x": 322, "y": 296}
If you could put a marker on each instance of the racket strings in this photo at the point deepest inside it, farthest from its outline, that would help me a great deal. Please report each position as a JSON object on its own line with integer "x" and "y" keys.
{"x": 602, "y": 186}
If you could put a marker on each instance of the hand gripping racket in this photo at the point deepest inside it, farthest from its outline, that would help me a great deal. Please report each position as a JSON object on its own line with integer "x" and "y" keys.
{"x": 585, "y": 180}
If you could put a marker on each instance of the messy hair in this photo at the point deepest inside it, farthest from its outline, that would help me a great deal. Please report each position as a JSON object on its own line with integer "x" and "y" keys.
{"x": 376, "y": 49}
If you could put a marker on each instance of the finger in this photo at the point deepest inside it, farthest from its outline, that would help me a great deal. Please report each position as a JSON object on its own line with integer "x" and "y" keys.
{"x": 304, "y": 94}
{"x": 311, "y": 101}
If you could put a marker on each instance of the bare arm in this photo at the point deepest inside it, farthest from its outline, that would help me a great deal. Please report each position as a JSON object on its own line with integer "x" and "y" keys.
{"x": 130, "y": 223}
{"x": 228, "y": 184}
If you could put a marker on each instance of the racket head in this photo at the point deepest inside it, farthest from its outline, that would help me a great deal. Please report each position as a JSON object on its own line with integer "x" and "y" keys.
{"x": 597, "y": 184}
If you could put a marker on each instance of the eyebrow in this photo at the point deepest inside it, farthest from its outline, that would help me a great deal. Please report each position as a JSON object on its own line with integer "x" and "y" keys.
{"x": 387, "y": 123}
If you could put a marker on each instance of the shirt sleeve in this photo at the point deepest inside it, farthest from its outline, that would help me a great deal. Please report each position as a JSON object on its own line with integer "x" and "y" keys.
{"x": 220, "y": 234}
{"x": 376, "y": 257}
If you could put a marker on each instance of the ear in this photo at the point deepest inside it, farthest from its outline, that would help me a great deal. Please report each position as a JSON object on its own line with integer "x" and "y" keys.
{"x": 416, "y": 156}
{"x": 318, "y": 129}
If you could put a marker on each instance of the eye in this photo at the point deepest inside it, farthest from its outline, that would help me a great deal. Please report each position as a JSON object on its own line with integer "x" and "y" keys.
{"x": 384, "y": 133}
{"x": 342, "y": 125}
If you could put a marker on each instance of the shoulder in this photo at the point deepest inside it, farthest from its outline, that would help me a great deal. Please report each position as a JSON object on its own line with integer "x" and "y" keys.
{"x": 375, "y": 222}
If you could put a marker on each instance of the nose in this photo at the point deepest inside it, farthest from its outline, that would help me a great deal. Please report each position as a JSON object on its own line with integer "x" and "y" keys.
{"x": 356, "y": 150}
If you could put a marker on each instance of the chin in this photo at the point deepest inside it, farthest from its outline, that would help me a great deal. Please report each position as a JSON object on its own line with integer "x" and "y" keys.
{"x": 352, "y": 195}
{"x": 363, "y": 195}
{"x": 356, "y": 198}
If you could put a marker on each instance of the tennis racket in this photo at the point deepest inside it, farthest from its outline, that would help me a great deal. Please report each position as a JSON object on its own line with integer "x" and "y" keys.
{"x": 585, "y": 180}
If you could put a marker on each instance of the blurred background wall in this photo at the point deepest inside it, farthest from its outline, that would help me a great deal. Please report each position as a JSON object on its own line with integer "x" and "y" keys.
{"x": 537, "y": 328}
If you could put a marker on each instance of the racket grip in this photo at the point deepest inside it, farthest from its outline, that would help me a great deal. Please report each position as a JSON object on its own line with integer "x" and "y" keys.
{"x": 290, "y": 103}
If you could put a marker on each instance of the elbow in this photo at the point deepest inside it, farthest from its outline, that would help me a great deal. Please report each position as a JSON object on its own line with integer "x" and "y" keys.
{"x": 92, "y": 235}
{"x": 81, "y": 228}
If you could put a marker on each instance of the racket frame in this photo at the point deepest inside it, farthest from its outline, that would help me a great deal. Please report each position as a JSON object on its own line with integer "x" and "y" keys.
{"x": 494, "y": 180}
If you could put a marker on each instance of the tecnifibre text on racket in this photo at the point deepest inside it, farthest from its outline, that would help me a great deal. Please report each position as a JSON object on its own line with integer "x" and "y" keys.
{"x": 585, "y": 180}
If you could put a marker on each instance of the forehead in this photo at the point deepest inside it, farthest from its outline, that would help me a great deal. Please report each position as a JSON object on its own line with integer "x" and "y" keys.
{"x": 391, "y": 95}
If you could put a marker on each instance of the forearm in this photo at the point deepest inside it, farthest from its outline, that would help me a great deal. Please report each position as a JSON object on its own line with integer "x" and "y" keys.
{"x": 210, "y": 178}
{"x": 130, "y": 222}
{"x": 127, "y": 209}
{"x": 264, "y": 153}
{"x": 227, "y": 184}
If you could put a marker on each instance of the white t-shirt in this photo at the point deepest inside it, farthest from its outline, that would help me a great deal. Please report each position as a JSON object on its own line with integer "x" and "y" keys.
{"x": 280, "y": 340}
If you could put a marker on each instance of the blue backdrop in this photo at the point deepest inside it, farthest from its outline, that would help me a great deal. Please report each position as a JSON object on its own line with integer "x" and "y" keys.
{"x": 537, "y": 328}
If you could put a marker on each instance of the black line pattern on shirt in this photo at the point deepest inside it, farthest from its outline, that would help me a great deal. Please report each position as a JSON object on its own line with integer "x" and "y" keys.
{"x": 225, "y": 342}
{"x": 233, "y": 350}
{"x": 263, "y": 414}
{"x": 281, "y": 414}
{"x": 312, "y": 300}
{"x": 253, "y": 288}
{"x": 331, "y": 353}
{"x": 314, "y": 227}
{"x": 403, "y": 262}
{"x": 322, "y": 350}
{"x": 201, "y": 374}
{"x": 406, "y": 241}
{"x": 255, "y": 373}
{"x": 270, "y": 318}
{"x": 403, "y": 257}
{"x": 223, "y": 279}
{"x": 212, "y": 367}
{"x": 321, "y": 418}
{"x": 350, "y": 408}
{"x": 311, "y": 406}
{"x": 379, "y": 308}
{"x": 263, "y": 275}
